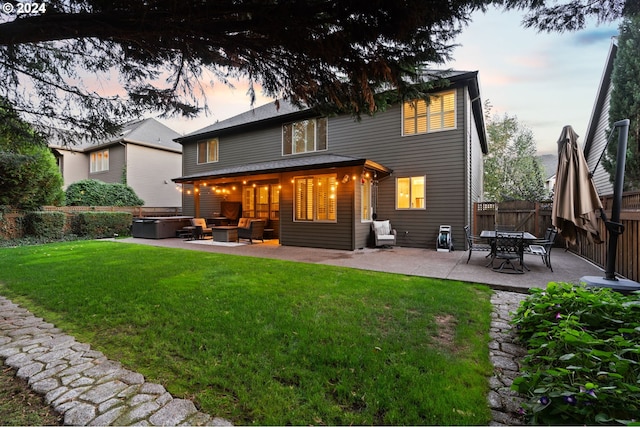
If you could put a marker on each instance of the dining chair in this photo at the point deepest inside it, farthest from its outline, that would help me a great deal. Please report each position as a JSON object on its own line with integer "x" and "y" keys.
{"x": 476, "y": 243}
{"x": 543, "y": 248}
{"x": 509, "y": 247}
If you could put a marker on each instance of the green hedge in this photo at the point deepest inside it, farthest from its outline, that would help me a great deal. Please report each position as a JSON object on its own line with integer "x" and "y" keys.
{"x": 47, "y": 225}
{"x": 91, "y": 192}
{"x": 102, "y": 224}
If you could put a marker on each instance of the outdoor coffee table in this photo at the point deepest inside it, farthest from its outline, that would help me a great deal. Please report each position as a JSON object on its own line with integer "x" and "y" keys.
{"x": 225, "y": 233}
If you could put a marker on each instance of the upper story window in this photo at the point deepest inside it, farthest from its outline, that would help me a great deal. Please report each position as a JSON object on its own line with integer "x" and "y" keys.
{"x": 304, "y": 136}
{"x": 420, "y": 116}
{"x": 99, "y": 161}
{"x": 208, "y": 151}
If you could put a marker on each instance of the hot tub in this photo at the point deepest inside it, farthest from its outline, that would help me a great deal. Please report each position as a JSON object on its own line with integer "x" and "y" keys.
{"x": 160, "y": 227}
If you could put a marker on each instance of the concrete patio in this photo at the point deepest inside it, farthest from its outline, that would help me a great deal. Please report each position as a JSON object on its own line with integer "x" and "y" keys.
{"x": 567, "y": 267}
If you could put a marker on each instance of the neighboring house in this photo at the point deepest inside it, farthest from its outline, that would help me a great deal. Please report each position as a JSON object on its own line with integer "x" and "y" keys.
{"x": 549, "y": 164}
{"x": 144, "y": 156}
{"x": 321, "y": 180}
{"x": 595, "y": 141}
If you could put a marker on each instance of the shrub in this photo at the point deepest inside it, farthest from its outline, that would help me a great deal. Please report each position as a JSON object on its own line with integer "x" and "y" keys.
{"x": 46, "y": 225}
{"x": 583, "y": 361}
{"x": 101, "y": 224}
{"x": 91, "y": 192}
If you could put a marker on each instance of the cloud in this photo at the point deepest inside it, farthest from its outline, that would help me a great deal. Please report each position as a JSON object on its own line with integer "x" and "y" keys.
{"x": 593, "y": 36}
{"x": 530, "y": 61}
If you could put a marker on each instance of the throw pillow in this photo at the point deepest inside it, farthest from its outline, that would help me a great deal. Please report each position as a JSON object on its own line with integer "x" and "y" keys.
{"x": 382, "y": 227}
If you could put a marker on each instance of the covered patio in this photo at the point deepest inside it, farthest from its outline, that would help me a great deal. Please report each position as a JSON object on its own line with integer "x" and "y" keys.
{"x": 567, "y": 267}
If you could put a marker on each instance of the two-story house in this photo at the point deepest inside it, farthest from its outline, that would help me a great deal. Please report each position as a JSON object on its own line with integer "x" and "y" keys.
{"x": 321, "y": 180}
{"x": 143, "y": 155}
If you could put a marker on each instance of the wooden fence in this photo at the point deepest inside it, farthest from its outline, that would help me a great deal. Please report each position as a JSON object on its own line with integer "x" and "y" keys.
{"x": 536, "y": 218}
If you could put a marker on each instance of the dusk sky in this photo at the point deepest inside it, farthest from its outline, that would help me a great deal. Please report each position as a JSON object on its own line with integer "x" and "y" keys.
{"x": 546, "y": 80}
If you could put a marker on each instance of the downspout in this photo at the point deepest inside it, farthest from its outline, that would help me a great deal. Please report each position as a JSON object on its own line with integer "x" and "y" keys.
{"x": 125, "y": 169}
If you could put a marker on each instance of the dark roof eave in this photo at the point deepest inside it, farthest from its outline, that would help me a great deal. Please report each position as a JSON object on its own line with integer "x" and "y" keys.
{"x": 263, "y": 168}
{"x": 476, "y": 106}
{"x": 605, "y": 82}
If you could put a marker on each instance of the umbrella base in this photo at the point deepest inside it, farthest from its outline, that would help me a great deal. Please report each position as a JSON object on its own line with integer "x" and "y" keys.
{"x": 624, "y": 286}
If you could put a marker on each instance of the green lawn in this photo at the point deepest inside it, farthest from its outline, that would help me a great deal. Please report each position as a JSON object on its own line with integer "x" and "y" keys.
{"x": 261, "y": 341}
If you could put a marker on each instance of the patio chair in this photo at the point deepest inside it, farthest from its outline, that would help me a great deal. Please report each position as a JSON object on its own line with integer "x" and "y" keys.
{"x": 509, "y": 247}
{"x": 476, "y": 244}
{"x": 251, "y": 229}
{"x": 201, "y": 229}
{"x": 543, "y": 247}
{"x": 383, "y": 233}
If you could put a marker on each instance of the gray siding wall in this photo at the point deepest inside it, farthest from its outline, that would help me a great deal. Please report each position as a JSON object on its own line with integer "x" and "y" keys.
{"x": 117, "y": 160}
{"x": 336, "y": 235}
{"x": 443, "y": 157}
{"x": 251, "y": 147}
{"x": 75, "y": 166}
{"x": 601, "y": 177}
{"x": 149, "y": 173}
{"x": 439, "y": 156}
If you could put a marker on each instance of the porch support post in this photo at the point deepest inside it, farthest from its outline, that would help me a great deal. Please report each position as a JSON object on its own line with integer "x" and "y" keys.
{"x": 196, "y": 198}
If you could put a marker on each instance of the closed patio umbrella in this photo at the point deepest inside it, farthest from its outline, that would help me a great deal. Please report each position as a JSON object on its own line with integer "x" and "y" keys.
{"x": 576, "y": 200}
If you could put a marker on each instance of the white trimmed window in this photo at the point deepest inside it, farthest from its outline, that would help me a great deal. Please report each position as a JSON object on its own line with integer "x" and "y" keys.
{"x": 274, "y": 205}
{"x": 304, "y": 136}
{"x": 366, "y": 212}
{"x": 208, "y": 151}
{"x": 99, "y": 161}
{"x": 421, "y": 116}
{"x": 315, "y": 198}
{"x": 410, "y": 192}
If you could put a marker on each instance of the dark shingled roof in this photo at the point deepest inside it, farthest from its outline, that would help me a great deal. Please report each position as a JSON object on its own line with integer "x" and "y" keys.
{"x": 290, "y": 164}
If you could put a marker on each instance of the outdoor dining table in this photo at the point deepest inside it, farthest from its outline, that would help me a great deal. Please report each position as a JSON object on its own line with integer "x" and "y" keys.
{"x": 490, "y": 235}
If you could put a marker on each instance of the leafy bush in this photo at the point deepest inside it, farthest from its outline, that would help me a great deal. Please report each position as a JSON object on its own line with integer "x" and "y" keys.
{"x": 29, "y": 175}
{"x": 47, "y": 225}
{"x": 583, "y": 361}
{"x": 91, "y": 192}
{"x": 101, "y": 224}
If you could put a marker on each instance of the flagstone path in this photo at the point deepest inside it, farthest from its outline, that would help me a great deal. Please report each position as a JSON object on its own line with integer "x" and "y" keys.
{"x": 505, "y": 354}
{"x": 82, "y": 384}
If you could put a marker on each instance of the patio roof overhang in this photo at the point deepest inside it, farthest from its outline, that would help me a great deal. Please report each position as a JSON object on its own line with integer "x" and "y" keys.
{"x": 287, "y": 165}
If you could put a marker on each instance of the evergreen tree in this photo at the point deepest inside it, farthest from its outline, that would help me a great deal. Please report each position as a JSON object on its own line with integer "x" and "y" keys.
{"x": 625, "y": 101}
{"x": 511, "y": 169}
{"x": 29, "y": 176}
{"x": 157, "y": 55}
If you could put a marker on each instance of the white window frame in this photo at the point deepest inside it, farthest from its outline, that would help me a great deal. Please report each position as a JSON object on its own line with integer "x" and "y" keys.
{"x": 320, "y": 136}
{"x": 211, "y": 151}
{"x": 410, "y": 196}
{"x": 366, "y": 201}
{"x": 99, "y": 161}
{"x": 320, "y": 195}
{"x": 431, "y": 113}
